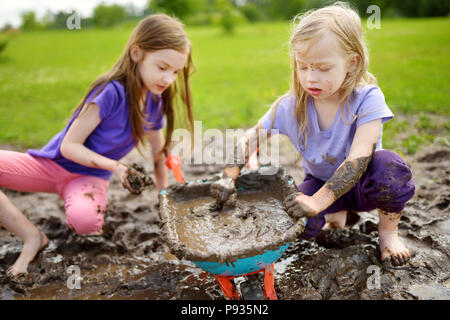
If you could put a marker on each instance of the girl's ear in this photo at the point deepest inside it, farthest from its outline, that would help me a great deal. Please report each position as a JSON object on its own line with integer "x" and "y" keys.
{"x": 353, "y": 63}
{"x": 135, "y": 53}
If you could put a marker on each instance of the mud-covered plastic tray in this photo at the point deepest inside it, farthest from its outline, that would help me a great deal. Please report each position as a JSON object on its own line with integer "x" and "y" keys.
{"x": 259, "y": 223}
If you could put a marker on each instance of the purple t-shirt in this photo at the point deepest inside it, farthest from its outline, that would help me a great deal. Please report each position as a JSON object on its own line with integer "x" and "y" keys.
{"x": 113, "y": 137}
{"x": 326, "y": 150}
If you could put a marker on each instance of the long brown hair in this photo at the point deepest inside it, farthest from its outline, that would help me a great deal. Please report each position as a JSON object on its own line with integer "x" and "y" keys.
{"x": 155, "y": 32}
{"x": 345, "y": 23}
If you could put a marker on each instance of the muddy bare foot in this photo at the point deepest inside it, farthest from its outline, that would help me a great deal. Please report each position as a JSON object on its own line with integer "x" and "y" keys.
{"x": 335, "y": 220}
{"x": 29, "y": 251}
{"x": 392, "y": 248}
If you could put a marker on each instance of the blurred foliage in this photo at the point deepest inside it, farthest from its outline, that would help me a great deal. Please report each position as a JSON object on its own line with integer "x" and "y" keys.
{"x": 229, "y": 13}
{"x": 420, "y": 8}
{"x": 230, "y": 16}
{"x": 107, "y": 16}
{"x": 3, "y": 43}
{"x": 237, "y": 79}
{"x": 178, "y": 8}
{"x": 29, "y": 21}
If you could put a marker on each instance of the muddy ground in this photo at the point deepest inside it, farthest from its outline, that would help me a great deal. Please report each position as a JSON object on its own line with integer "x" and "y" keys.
{"x": 131, "y": 261}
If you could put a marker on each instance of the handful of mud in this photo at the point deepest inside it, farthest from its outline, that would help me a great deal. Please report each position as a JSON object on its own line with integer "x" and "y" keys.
{"x": 195, "y": 230}
{"x": 138, "y": 179}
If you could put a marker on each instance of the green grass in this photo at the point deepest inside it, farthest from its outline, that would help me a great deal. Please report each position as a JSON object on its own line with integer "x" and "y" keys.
{"x": 45, "y": 75}
{"x": 410, "y": 60}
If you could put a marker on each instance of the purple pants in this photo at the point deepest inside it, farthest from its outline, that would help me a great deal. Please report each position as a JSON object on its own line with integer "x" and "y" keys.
{"x": 387, "y": 184}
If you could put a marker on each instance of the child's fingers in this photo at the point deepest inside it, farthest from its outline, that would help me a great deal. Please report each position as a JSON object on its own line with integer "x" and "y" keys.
{"x": 222, "y": 190}
{"x": 148, "y": 181}
{"x": 232, "y": 199}
{"x": 302, "y": 225}
{"x": 136, "y": 183}
{"x": 294, "y": 211}
{"x": 132, "y": 182}
{"x": 139, "y": 171}
{"x": 225, "y": 194}
{"x": 126, "y": 185}
{"x": 289, "y": 201}
{"x": 215, "y": 192}
{"x": 135, "y": 178}
{"x": 214, "y": 188}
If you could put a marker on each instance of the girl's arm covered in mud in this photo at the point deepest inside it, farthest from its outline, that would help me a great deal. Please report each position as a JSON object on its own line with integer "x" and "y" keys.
{"x": 346, "y": 175}
{"x": 224, "y": 189}
{"x": 244, "y": 150}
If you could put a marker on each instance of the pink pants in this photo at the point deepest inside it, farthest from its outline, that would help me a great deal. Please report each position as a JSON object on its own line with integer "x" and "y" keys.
{"x": 85, "y": 196}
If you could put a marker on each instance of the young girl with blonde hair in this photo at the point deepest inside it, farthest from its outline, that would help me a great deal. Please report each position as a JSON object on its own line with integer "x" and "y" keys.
{"x": 121, "y": 110}
{"x": 334, "y": 114}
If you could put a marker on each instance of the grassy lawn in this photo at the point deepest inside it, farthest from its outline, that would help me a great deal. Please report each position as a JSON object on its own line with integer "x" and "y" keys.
{"x": 45, "y": 75}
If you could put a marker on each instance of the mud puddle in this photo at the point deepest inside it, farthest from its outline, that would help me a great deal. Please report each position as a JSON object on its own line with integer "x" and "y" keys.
{"x": 255, "y": 215}
{"x": 196, "y": 228}
{"x": 131, "y": 261}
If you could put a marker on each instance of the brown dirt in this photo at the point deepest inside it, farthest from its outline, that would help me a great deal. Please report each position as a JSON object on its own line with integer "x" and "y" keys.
{"x": 131, "y": 261}
{"x": 195, "y": 229}
{"x": 138, "y": 179}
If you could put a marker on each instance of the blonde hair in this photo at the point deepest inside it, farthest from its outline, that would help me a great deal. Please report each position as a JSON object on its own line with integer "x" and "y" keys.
{"x": 340, "y": 19}
{"x": 154, "y": 32}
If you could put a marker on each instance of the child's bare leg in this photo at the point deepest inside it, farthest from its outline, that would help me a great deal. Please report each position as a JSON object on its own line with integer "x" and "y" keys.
{"x": 33, "y": 239}
{"x": 390, "y": 244}
{"x": 335, "y": 220}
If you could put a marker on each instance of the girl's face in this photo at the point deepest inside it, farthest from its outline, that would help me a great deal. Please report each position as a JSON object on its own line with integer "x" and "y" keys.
{"x": 322, "y": 68}
{"x": 159, "y": 69}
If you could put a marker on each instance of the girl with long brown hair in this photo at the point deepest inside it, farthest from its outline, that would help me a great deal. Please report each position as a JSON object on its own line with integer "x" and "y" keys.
{"x": 126, "y": 108}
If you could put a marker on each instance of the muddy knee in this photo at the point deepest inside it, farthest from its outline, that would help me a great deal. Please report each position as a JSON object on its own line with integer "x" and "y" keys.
{"x": 389, "y": 184}
{"x": 85, "y": 219}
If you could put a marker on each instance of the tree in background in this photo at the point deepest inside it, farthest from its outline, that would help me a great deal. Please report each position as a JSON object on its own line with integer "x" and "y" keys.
{"x": 206, "y": 12}
{"x": 59, "y": 20}
{"x": 421, "y": 8}
{"x": 29, "y": 21}
{"x": 256, "y": 10}
{"x": 229, "y": 15}
{"x": 286, "y": 9}
{"x": 179, "y": 8}
{"x": 3, "y": 44}
{"x": 251, "y": 11}
{"x": 107, "y": 16}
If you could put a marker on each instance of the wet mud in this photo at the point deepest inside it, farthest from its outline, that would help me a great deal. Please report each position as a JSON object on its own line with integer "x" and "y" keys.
{"x": 138, "y": 179}
{"x": 196, "y": 229}
{"x": 131, "y": 260}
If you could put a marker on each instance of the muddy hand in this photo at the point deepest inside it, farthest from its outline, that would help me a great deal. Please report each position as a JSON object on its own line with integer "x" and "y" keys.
{"x": 224, "y": 191}
{"x": 148, "y": 181}
{"x": 136, "y": 179}
{"x": 301, "y": 224}
{"x": 295, "y": 207}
